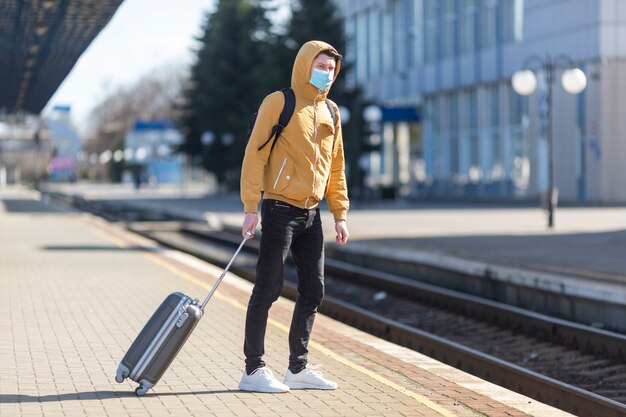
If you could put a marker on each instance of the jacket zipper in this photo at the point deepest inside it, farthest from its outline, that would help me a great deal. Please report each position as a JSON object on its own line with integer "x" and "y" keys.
{"x": 280, "y": 172}
{"x": 315, "y": 147}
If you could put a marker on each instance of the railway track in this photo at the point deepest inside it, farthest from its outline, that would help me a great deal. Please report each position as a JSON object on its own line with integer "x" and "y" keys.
{"x": 576, "y": 368}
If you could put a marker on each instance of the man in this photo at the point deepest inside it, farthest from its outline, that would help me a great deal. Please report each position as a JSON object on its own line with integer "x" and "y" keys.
{"x": 305, "y": 166}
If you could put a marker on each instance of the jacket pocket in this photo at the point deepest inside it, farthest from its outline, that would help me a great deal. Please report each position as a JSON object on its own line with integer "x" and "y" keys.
{"x": 283, "y": 176}
{"x": 326, "y": 137}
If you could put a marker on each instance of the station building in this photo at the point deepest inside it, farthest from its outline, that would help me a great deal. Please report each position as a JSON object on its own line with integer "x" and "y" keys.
{"x": 475, "y": 137}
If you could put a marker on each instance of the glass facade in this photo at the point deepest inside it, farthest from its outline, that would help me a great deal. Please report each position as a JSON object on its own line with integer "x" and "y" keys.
{"x": 431, "y": 28}
{"x": 465, "y": 130}
{"x": 512, "y": 12}
{"x": 495, "y": 168}
{"x": 467, "y": 26}
{"x": 474, "y": 149}
{"x": 487, "y": 23}
{"x": 473, "y": 136}
{"x": 362, "y": 48}
{"x": 350, "y": 53}
{"x": 449, "y": 17}
{"x": 387, "y": 38}
{"x": 520, "y": 167}
{"x": 374, "y": 42}
{"x": 434, "y": 122}
{"x": 453, "y": 123}
{"x": 400, "y": 42}
{"x": 406, "y": 33}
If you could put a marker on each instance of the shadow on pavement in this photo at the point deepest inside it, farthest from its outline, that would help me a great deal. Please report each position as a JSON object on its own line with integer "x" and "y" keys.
{"x": 98, "y": 395}
{"x": 100, "y": 248}
{"x": 223, "y": 204}
{"x": 26, "y": 206}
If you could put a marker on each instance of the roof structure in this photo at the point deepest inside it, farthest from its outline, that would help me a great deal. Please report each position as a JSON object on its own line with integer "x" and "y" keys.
{"x": 40, "y": 41}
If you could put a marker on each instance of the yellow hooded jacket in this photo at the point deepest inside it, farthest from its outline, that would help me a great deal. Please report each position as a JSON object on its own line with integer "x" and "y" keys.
{"x": 304, "y": 166}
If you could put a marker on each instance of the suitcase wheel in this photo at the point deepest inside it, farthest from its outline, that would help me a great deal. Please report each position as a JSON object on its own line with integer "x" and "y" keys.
{"x": 122, "y": 374}
{"x": 143, "y": 387}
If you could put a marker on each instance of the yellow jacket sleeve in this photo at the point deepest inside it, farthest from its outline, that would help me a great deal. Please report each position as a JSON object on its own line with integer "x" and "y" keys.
{"x": 254, "y": 161}
{"x": 337, "y": 195}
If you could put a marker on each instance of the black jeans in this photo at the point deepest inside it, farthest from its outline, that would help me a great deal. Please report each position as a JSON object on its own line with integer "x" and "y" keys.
{"x": 286, "y": 227}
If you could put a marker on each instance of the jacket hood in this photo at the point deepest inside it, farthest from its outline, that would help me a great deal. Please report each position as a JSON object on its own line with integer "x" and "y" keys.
{"x": 302, "y": 69}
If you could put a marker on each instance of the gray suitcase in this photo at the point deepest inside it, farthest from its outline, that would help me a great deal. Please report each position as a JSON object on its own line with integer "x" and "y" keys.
{"x": 163, "y": 336}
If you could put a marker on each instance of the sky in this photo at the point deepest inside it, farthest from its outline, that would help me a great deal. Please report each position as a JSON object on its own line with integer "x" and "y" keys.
{"x": 142, "y": 36}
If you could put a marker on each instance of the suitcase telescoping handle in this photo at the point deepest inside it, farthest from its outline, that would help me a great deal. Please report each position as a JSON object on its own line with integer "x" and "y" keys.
{"x": 219, "y": 280}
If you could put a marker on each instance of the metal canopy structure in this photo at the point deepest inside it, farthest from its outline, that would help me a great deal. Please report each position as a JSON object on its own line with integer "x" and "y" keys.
{"x": 40, "y": 41}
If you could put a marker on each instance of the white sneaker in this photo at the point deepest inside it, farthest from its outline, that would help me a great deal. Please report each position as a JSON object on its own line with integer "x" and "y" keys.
{"x": 261, "y": 380}
{"x": 308, "y": 378}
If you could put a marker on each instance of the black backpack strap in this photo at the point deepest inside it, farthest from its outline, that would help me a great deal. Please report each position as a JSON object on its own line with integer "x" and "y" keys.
{"x": 283, "y": 120}
{"x": 334, "y": 116}
{"x": 332, "y": 112}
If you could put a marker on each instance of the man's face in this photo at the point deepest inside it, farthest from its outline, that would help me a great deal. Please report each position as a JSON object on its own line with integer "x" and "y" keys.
{"x": 324, "y": 63}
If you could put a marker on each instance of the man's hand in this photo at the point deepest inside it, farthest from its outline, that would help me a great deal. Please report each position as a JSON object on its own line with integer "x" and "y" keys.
{"x": 249, "y": 224}
{"x": 341, "y": 227}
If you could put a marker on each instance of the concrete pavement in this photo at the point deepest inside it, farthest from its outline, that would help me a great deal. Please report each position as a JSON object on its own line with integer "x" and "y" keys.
{"x": 76, "y": 290}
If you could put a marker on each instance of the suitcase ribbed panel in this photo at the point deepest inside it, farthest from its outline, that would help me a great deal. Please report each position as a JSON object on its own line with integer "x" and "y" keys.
{"x": 147, "y": 337}
{"x": 164, "y": 334}
{"x": 171, "y": 346}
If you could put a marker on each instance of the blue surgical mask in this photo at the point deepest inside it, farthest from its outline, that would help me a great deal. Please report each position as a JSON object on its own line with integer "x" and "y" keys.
{"x": 321, "y": 79}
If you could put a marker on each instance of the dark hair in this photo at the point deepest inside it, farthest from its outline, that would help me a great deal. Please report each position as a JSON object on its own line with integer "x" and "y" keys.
{"x": 332, "y": 53}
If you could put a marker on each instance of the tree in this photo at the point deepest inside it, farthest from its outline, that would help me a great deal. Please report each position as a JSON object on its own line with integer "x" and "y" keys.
{"x": 314, "y": 20}
{"x": 151, "y": 97}
{"x": 241, "y": 59}
{"x": 227, "y": 85}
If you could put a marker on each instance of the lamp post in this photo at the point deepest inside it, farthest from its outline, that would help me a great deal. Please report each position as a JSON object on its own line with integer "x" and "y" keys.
{"x": 573, "y": 81}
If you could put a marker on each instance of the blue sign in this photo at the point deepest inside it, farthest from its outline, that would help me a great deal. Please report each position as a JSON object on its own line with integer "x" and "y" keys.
{"x": 401, "y": 114}
{"x": 152, "y": 125}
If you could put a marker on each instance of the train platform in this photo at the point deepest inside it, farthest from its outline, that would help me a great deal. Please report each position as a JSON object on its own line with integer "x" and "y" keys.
{"x": 580, "y": 259}
{"x": 76, "y": 290}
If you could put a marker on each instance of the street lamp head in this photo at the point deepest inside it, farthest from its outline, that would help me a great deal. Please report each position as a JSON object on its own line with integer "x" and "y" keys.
{"x": 344, "y": 113}
{"x": 372, "y": 114}
{"x": 524, "y": 82}
{"x": 573, "y": 80}
{"x": 207, "y": 138}
{"x": 228, "y": 139}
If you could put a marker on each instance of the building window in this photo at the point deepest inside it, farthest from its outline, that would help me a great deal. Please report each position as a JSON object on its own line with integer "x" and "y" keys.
{"x": 412, "y": 33}
{"x": 350, "y": 30}
{"x": 361, "y": 47}
{"x": 400, "y": 28}
{"x": 387, "y": 37}
{"x": 520, "y": 170}
{"x": 374, "y": 43}
{"x": 473, "y": 109}
{"x": 516, "y": 108}
{"x": 474, "y": 145}
{"x": 497, "y": 169}
{"x": 487, "y": 23}
{"x": 430, "y": 30}
{"x": 495, "y": 105}
{"x": 448, "y": 47}
{"x": 513, "y": 20}
{"x": 453, "y": 113}
{"x": 434, "y": 117}
{"x": 467, "y": 26}
{"x": 520, "y": 174}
